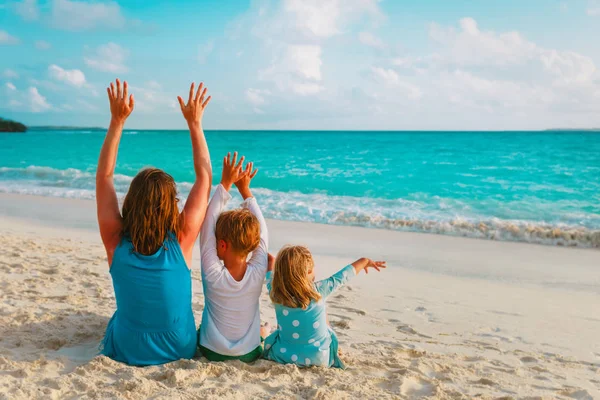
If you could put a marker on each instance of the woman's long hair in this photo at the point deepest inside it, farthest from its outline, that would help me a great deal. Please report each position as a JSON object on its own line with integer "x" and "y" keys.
{"x": 150, "y": 212}
{"x": 291, "y": 286}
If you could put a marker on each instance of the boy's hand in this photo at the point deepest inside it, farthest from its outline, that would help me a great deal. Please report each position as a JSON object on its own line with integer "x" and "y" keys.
{"x": 194, "y": 109}
{"x": 120, "y": 105}
{"x": 232, "y": 172}
{"x": 243, "y": 184}
{"x": 270, "y": 262}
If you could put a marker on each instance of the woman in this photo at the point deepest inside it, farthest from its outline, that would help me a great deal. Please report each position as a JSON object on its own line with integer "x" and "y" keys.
{"x": 149, "y": 246}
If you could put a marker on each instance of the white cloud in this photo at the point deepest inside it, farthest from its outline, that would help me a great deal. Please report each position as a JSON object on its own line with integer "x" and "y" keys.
{"x": 9, "y": 73}
{"x": 151, "y": 98}
{"x": 205, "y": 50}
{"x": 36, "y": 101}
{"x": 153, "y": 85}
{"x": 391, "y": 79}
{"x": 298, "y": 69}
{"x": 470, "y": 46}
{"x": 387, "y": 75}
{"x": 28, "y": 10}
{"x": 73, "y": 77}
{"x": 306, "y": 89}
{"x": 368, "y": 39}
{"x": 6, "y": 38}
{"x": 326, "y": 18}
{"x": 42, "y": 45}
{"x": 256, "y": 97}
{"x": 81, "y": 16}
{"x": 500, "y": 74}
{"x": 108, "y": 58}
{"x": 593, "y": 9}
{"x": 10, "y": 86}
{"x": 293, "y": 33}
{"x": 508, "y": 53}
{"x": 82, "y": 105}
{"x": 305, "y": 60}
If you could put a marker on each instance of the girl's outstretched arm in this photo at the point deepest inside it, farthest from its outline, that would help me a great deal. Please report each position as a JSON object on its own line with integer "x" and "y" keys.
{"x": 195, "y": 207}
{"x": 107, "y": 205}
{"x": 335, "y": 281}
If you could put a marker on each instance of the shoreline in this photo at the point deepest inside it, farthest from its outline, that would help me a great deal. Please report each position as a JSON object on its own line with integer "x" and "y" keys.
{"x": 481, "y": 258}
{"x": 449, "y": 317}
{"x": 8, "y": 200}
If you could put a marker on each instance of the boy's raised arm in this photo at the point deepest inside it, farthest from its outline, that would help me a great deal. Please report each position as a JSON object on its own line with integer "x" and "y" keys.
{"x": 195, "y": 206}
{"x": 259, "y": 256}
{"x": 208, "y": 241}
{"x": 107, "y": 205}
{"x": 209, "y": 260}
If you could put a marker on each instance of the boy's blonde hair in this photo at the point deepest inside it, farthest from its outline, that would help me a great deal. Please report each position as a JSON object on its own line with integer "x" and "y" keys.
{"x": 291, "y": 286}
{"x": 240, "y": 228}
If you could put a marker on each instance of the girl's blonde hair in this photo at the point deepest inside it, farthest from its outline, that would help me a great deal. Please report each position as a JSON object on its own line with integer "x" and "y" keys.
{"x": 291, "y": 286}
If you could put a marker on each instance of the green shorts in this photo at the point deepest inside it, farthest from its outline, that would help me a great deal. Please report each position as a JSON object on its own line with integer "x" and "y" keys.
{"x": 214, "y": 356}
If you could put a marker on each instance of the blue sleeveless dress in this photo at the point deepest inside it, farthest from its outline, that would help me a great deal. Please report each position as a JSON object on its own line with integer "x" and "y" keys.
{"x": 154, "y": 322}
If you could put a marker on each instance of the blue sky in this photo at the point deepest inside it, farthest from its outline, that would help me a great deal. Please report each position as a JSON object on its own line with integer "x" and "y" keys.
{"x": 312, "y": 64}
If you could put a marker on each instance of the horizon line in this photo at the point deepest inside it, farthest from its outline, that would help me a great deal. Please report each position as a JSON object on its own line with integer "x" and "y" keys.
{"x": 60, "y": 127}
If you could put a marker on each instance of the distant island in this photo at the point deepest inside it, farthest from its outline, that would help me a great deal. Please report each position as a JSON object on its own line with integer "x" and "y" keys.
{"x": 7, "y": 125}
{"x": 65, "y": 128}
{"x": 573, "y": 130}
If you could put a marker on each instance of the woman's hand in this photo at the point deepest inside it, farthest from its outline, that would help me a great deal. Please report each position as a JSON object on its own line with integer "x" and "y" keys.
{"x": 120, "y": 106}
{"x": 243, "y": 184}
{"x": 232, "y": 172}
{"x": 194, "y": 109}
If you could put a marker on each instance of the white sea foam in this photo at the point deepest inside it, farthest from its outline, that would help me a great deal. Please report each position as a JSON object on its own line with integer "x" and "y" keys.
{"x": 422, "y": 213}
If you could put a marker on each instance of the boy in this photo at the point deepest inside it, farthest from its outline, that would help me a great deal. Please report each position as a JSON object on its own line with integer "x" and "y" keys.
{"x": 232, "y": 284}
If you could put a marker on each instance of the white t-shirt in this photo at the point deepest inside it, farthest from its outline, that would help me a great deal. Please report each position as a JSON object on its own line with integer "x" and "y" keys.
{"x": 231, "y": 316}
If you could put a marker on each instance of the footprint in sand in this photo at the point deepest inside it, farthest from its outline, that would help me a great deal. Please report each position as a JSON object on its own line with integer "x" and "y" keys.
{"x": 353, "y": 310}
{"x": 341, "y": 324}
{"x": 528, "y": 360}
{"x": 485, "y": 381}
{"x": 576, "y": 393}
{"x": 416, "y": 388}
{"x": 340, "y": 321}
{"x": 407, "y": 329}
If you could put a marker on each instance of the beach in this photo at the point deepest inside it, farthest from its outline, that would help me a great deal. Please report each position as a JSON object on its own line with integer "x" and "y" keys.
{"x": 450, "y": 318}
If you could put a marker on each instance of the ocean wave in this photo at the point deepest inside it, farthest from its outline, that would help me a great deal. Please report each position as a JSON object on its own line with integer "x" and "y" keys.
{"x": 422, "y": 213}
{"x": 495, "y": 229}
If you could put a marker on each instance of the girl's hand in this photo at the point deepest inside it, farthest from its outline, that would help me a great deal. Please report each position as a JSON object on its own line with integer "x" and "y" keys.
{"x": 366, "y": 263}
{"x": 374, "y": 264}
{"x": 120, "y": 106}
{"x": 194, "y": 109}
{"x": 232, "y": 172}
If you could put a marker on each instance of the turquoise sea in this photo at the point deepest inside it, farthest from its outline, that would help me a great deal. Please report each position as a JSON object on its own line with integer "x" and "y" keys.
{"x": 541, "y": 187}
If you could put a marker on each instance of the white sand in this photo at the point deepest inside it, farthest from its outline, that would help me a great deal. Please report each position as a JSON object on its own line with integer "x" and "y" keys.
{"x": 451, "y": 318}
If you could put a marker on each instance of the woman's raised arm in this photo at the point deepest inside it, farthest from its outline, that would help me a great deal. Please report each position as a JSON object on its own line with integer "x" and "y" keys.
{"x": 107, "y": 205}
{"x": 197, "y": 201}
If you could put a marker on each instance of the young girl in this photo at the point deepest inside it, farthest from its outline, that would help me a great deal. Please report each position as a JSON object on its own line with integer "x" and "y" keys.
{"x": 149, "y": 244}
{"x": 303, "y": 336}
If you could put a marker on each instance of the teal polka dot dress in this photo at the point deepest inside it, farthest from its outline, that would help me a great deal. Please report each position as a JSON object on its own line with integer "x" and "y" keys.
{"x": 302, "y": 336}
